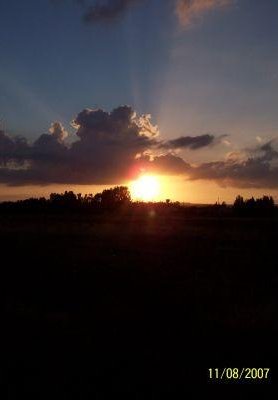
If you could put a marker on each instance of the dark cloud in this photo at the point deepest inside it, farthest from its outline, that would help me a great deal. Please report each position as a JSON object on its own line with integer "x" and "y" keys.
{"x": 187, "y": 11}
{"x": 115, "y": 146}
{"x": 257, "y": 171}
{"x": 169, "y": 164}
{"x": 250, "y": 174}
{"x": 7, "y": 146}
{"x": 109, "y": 142}
{"x": 269, "y": 153}
{"x": 165, "y": 164}
{"x": 191, "y": 142}
{"x": 102, "y": 11}
{"x": 95, "y": 11}
{"x": 12, "y": 149}
{"x": 104, "y": 153}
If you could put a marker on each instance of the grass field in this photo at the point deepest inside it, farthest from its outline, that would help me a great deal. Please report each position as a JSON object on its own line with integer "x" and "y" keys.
{"x": 136, "y": 303}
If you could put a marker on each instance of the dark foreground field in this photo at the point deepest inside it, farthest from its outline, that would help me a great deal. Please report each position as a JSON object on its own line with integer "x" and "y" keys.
{"x": 137, "y": 304}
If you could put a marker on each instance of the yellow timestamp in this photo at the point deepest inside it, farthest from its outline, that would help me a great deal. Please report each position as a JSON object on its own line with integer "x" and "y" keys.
{"x": 239, "y": 374}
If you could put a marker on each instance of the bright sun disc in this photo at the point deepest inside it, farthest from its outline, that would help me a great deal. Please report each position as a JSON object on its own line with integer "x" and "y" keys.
{"x": 146, "y": 188}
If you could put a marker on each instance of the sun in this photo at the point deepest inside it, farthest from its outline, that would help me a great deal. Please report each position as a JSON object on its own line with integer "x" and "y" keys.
{"x": 145, "y": 188}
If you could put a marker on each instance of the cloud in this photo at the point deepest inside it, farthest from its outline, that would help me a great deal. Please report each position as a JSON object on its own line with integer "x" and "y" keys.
{"x": 188, "y": 11}
{"x": 12, "y": 149}
{"x": 165, "y": 164}
{"x": 260, "y": 170}
{"x": 256, "y": 169}
{"x": 250, "y": 174}
{"x": 113, "y": 147}
{"x": 98, "y": 11}
{"x": 110, "y": 147}
{"x": 105, "y": 150}
{"x": 58, "y": 132}
{"x": 104, "y": 11}
{"x": 269, "y": 153}
{"x": 192, "y": 142}
{"x": 109, "y": 143}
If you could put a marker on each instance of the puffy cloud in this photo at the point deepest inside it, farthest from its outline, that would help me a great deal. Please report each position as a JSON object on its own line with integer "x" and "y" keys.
{"x": 105, "y": 151}
{"x": 190, "y": 10}
{"x": 121, "y": 126}
{"x": 109, "y": 142}
{"x": 58, "y": 131}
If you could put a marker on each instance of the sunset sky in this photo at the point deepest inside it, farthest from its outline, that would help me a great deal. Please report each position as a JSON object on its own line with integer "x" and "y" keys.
{"x": 98, "y": 93}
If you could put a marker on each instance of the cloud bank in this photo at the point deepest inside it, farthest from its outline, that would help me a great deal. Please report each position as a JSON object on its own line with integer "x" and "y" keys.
{"x": 113, "y": 147}
{"x": 258, "y": 170}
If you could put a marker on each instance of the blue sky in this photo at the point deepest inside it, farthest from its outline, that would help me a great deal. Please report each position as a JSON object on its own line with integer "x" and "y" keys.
{"x": 218, "y": 75}
{"x": 223, "y": 68}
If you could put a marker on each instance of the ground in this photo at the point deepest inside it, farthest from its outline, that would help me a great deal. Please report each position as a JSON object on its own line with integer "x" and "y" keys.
{"x": 138, "y": 303}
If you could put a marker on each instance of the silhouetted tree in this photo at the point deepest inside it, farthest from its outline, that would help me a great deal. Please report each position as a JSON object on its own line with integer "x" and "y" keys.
{"x": 113, "y": 197}
{"x": 68, "y": 199}
{"x": 261, "y": 206}
{"x": 239, "y": 202}
{"x": 266, "y": 202}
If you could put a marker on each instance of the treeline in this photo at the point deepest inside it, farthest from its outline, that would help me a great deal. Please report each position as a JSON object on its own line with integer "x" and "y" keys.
{"x": 108, "y": 199}
{"x": 119, "y": 198}
{"x": 265, "y": 202}
{"x": 263, "y": 205}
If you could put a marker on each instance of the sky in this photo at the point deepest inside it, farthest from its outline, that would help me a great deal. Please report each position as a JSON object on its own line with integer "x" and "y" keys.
{"x": 96, "y": 93}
